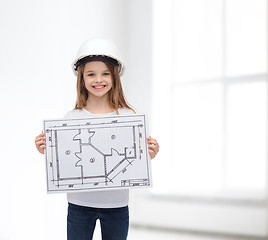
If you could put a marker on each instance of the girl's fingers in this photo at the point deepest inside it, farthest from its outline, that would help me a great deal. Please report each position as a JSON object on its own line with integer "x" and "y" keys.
{"x": 152, "y": 154}
{"x": 152, "y": 141}
{"x": 40, "y": 142}
{"x": 153, "y": 146}
{"x": 41, "y": 134}
{"x": 38, "y": 139}
{"x": 153, "y": 150}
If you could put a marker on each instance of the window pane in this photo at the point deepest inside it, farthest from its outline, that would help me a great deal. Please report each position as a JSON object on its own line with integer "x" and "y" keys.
{"x": 197, "y": 156}
{"x": 197, "y": 39}
{"x": 246, "y": 27}
{"x": 246, "y": 136}
{"x": 197, "y": 137}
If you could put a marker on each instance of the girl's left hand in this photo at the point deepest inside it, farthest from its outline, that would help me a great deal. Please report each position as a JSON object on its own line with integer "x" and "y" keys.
{"x": 153, "y": 146}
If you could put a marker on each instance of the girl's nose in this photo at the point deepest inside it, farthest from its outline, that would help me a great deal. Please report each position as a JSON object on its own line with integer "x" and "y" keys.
{"x": 98, "y": 79}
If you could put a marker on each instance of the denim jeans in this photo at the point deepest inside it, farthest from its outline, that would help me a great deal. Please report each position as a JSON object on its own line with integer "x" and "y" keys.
{"x": 81, "y": 222}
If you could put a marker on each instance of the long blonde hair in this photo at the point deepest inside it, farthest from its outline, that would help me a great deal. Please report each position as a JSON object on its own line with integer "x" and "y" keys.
{"x": 116, "y": 95}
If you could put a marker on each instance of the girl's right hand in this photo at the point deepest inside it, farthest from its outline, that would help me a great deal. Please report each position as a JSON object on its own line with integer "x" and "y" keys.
{"x": 40, "y": 142}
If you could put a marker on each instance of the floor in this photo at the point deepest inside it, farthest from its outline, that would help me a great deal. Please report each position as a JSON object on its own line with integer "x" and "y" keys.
{"x": 142, "y": 234}
{"x": 137, "y": 233}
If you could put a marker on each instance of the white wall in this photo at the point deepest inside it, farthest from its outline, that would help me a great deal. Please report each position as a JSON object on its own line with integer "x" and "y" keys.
{"x": 139, "y": 55}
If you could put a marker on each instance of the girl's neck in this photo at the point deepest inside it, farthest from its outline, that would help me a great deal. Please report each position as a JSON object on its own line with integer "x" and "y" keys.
{"x": 98, "y": 106}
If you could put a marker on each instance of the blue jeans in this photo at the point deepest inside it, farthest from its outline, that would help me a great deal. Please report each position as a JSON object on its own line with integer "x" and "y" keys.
{"x": 81, "y": 222}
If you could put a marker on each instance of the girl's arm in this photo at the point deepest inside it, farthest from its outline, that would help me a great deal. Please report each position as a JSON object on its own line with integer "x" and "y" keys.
{"x": 153, "y": 146}
{"x": 40, "y": 142}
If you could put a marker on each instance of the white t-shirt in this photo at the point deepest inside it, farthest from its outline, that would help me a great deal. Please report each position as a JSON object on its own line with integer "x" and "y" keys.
{"x": 98, "y": 199}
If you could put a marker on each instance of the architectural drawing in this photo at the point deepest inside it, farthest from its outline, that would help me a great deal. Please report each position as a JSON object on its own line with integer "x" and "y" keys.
{"x": 97, "y": 153}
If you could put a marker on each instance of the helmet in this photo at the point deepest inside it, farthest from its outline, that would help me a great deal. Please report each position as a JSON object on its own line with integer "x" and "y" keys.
{"x": 98, "y": 50}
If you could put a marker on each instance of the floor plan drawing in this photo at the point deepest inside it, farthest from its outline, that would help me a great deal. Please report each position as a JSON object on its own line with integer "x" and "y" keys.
{"x": 97, "y": 153}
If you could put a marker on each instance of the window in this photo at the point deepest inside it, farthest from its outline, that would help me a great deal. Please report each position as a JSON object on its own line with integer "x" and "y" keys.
{"x": 210, "y": 97}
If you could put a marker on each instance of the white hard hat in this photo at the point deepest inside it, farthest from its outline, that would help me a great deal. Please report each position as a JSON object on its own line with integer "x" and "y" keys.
{"x": 98, "y": 50}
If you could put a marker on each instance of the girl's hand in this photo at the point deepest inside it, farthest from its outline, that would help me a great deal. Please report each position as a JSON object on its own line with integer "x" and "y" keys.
{"x": 153, "y": 146}
{"x": 40, "y": 142}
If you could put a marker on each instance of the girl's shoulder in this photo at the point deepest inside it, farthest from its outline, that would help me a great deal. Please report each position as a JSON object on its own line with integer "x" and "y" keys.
{"x": 75, "y": 113}
{"x": 125, "y": 111}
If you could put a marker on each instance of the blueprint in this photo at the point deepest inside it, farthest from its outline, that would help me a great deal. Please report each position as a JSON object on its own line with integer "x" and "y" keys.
{"x": 97, "y": 153}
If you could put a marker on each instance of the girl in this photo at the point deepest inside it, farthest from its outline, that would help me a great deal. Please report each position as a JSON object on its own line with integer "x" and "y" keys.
{"x": 98, "y": 67}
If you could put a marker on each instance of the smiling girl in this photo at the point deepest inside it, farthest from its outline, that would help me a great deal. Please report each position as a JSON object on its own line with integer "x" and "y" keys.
{"x": 98, "y": 67}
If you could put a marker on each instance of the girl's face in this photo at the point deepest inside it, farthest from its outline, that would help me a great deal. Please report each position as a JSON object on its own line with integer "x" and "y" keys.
{"x": 98, "y": 79}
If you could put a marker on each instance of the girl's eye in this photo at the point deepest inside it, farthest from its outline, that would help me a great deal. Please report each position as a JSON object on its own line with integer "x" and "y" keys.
{"x": 106, "y": 74}
{"x": 91, "y": 74}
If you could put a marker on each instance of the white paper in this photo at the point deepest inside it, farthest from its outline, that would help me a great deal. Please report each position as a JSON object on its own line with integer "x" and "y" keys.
{"x": 97, "y": 153}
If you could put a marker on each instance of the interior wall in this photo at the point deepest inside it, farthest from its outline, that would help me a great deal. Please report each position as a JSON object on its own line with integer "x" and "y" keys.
{"x": 139, "y": 55}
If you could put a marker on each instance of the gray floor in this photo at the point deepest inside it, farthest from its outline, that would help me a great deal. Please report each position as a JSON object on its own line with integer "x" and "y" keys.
{"x": 143, "y": 233}
{"x": 138, "y": 233}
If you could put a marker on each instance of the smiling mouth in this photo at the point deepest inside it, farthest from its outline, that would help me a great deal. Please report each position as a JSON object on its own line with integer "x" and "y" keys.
{"x": 99, "y": 87}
